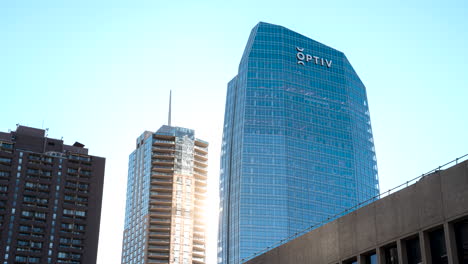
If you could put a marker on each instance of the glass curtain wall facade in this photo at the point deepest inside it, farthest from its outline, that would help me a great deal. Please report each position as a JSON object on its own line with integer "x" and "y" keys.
{"x": 166, "y": 192}
{"x": 297, "y": 142}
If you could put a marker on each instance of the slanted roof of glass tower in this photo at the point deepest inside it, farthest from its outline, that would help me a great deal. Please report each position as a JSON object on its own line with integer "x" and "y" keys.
{"x": 297, "y": 142}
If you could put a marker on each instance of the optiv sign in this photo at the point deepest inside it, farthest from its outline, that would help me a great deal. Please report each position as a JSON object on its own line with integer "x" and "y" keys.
{"x": 303, "y": 58}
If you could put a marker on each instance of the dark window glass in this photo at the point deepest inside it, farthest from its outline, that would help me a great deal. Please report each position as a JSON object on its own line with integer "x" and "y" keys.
{"x": 461, "y": 235}
{"x": 413, "y": 251}
{"x": 21, "y": 259}
{"x": 391, "y": 255}
{"x": 371, "y": 259}
{"x": 34, "y": 260}
{"x": 351, "y": 261}
{"x": 438, "y": 249}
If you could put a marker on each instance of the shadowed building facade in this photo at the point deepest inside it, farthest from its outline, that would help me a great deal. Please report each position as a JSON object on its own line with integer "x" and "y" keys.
{"x": 50, "y": 199}
{"x": 297, "y": 142}
{"x": 426, "y": 222}
{"x": 166, "y": 192}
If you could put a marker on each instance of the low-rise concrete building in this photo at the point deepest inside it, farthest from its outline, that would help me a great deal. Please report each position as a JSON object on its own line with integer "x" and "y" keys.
{"x": 426, "y": 222}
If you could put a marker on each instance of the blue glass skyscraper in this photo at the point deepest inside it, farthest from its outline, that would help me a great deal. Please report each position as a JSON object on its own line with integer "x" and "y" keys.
{"x": 297, "y": 142}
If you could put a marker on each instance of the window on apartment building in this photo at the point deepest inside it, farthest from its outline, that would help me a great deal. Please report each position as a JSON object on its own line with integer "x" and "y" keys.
{"x": 3, "y": 188}
{"x": 413, "y": 251}
{"x": 461, "y": 236}
{"x": 7, "y": 147}
{"x": 437, "y": 245}
{"x": 4, "y": 174}
{"x": 5, "y": 160}
{"x": 26, "y": 259}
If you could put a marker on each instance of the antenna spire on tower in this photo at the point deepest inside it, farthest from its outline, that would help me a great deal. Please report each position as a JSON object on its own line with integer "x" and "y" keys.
{"x": 169, "y": 117}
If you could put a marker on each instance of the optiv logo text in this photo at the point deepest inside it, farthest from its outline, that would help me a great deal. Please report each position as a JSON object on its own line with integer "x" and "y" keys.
{"x": 305, "y": 58}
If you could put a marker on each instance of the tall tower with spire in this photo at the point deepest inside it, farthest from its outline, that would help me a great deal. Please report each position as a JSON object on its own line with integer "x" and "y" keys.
{"x": 166, "y": 193}
{"x": 170, "y": 109}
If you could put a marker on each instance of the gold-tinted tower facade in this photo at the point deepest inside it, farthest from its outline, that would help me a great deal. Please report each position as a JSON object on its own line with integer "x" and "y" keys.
{"x": 166, "y": 193}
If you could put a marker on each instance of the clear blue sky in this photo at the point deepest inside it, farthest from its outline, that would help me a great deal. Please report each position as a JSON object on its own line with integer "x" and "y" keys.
{"x": 99, "y": 72}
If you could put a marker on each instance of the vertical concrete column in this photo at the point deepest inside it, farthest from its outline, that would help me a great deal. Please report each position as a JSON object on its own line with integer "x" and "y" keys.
{"x": 399, "y": 250}
{"x": 361, "y": 259}
{"x": 402, "y": 249}
{"x": 422, "y": 247}
{"x": 450, "y": 243}
{"x": 425, "y": 247}
{"x": 380, "y": 255}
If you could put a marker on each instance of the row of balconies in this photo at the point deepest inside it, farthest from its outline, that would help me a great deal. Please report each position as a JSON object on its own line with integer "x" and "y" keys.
{"x": 201, "y": 183}
{"x": 163, "y": 142}
{"x": 198, "y": 246}
{"x": 198, "y": 260}
{"x": 198, "y": 234}
{"x": 159, "y": 220}
{"x": 158, "y": 248}
{"x": 199, "y": 168}
{"x": 160, "y": 168}
{"x": 166, "y": 153}
{"x": 159, "y": 240}
{"x": 201, "y": 149}
{"x": 200, "y": 156}
{"x": 200, "y": 207}
{"x": 157, "y": 261}
{"x": 158, "y": 174}
{"x": 162, "y": 188}
{"x": 200, "y": 239}
{"x": 79, "y": 158}
{"x": 199, "y": 214}
{"x": 159, "y": 234}
{"x": 200, "y": 192}
{"x": 162, "y": 149}
{"x": 164, "y": 162}
{"x": 166, "y": 197}
{"x": 161, "y": 255}
{"x": 200, "y": 163}
{"x": 162, "y": 155}
{"x": 163, "y": 137}
{"x": 198, "y": 225}
{"x": 200, "y": 175}
{"x": 159, "y": 227}
{"x": 198, "y": 253}
{"x": 160, "y": 183}
{"x": 201, "y": 143}
{"x": 158, "y": 201}
{"x": 159, "y": 213}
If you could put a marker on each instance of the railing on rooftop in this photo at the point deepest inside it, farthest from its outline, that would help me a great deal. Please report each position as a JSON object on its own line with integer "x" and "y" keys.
{"x": 342, "y": 213}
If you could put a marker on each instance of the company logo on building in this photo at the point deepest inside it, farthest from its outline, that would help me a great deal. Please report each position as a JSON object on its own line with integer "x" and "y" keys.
{"x": 303, "y": 58}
